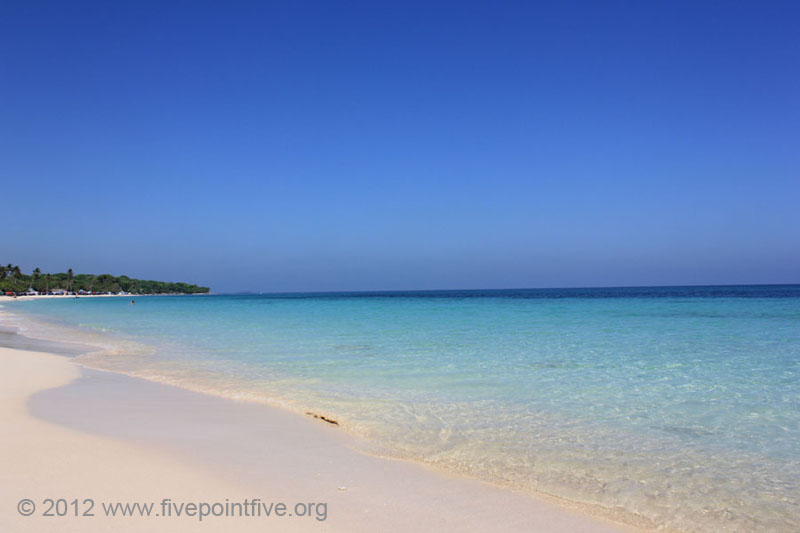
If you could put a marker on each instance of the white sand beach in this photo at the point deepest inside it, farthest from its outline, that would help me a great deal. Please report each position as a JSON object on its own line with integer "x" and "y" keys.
{"x": 71, "y": 433}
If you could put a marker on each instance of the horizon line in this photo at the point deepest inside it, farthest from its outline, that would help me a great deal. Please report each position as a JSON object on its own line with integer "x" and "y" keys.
{"x": 361, "y": 291}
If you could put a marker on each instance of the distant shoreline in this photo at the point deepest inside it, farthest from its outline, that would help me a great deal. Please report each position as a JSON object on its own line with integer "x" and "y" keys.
{"x": 64, "y": 296}
{"x": 6, "y": 298}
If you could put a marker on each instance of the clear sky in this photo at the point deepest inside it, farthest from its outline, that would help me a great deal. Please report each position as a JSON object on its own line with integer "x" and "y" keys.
{"x": 282, "y": 146}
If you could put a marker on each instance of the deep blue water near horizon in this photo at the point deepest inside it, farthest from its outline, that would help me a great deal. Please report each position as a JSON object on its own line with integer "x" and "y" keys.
{"x": 674, "y": 291}
{"x": 679, "y": 404}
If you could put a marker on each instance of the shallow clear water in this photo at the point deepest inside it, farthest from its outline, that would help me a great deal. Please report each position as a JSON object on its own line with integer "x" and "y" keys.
{"x": 681, "y": 405}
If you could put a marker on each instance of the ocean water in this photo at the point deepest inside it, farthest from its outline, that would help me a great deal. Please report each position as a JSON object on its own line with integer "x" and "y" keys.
{"x": 679, "y": 406}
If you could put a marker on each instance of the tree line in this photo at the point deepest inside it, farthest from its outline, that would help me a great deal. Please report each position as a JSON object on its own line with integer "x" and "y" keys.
{"x": 12, "y": 279}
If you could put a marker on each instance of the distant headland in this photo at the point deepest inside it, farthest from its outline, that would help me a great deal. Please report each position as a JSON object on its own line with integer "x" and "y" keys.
{"x": 14, "y": 282}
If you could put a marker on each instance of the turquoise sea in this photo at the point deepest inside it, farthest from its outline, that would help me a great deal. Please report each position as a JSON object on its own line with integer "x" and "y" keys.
{"x": 677, "y": 404}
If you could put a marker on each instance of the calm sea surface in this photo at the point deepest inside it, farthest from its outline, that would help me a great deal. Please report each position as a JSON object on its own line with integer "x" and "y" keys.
{"x": 680, "y": 404}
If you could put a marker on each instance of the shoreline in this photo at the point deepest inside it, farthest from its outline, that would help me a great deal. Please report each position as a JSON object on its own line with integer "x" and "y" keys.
{"x": 29, "y": 297}
{"x": 303, "y": 454}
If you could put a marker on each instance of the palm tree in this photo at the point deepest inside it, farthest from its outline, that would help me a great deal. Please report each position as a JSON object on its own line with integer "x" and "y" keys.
{"x": 69, "y": 279}
{"x": 47, "y": 279}
{"x": 5, "y": 272}
{"x": 17, "y": 275}
{"x": 36, "y": 273}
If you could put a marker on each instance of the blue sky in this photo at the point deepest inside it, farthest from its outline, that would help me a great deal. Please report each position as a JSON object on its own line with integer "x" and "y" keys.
{"x": 358, "y": 145}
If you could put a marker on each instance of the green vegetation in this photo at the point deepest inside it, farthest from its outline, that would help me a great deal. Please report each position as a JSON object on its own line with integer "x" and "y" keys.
{"x": 12, "y": 279}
